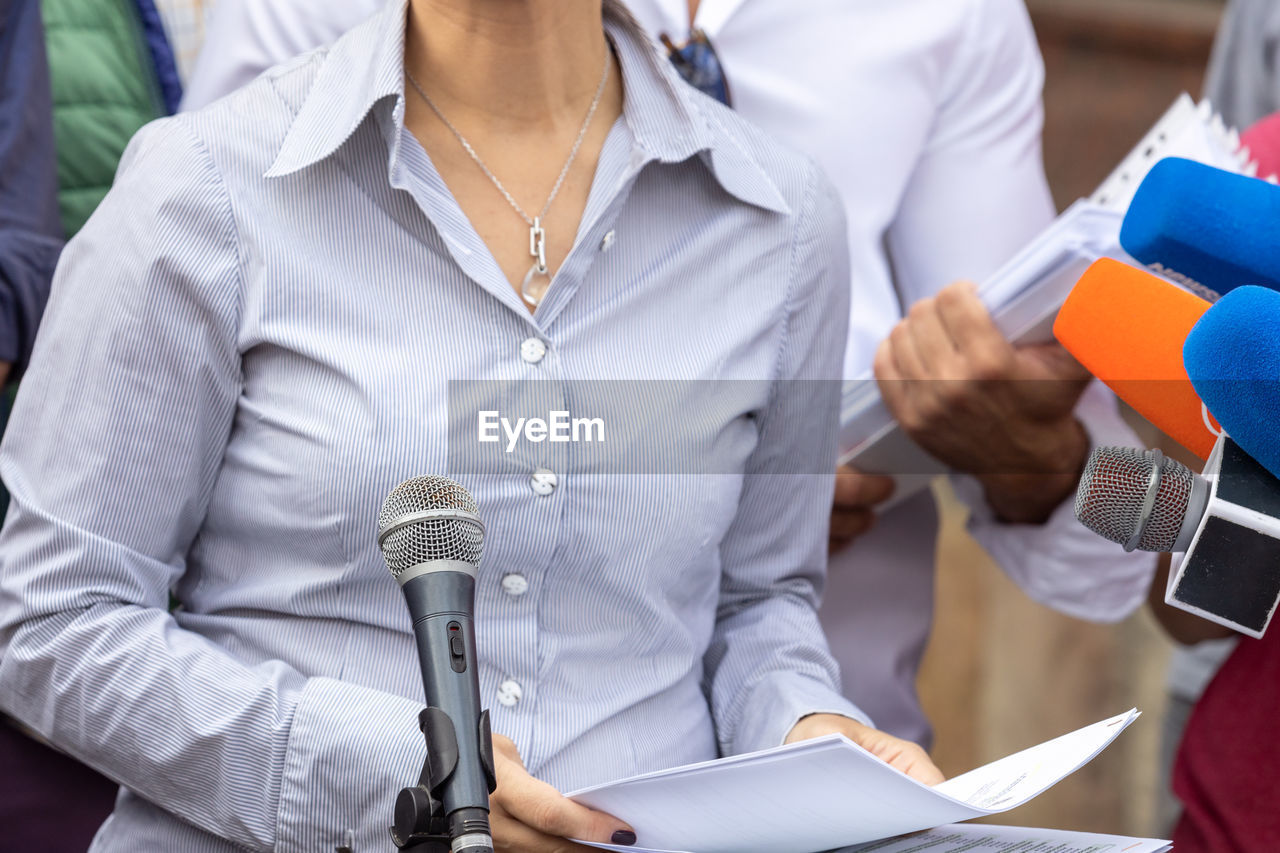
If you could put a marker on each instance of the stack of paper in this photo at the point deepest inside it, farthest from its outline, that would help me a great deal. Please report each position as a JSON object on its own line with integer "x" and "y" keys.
{"x": 1026, "y": 293}
{"x": 1007, "y": 839}
{"x": 825, "y": 794}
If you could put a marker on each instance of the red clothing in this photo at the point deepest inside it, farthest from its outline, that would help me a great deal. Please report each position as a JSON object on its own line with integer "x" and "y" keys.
{"x": 1227, "y": 773}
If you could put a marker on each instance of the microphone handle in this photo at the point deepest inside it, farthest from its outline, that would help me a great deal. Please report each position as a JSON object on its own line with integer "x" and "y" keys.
{"x": 441, "y": 601}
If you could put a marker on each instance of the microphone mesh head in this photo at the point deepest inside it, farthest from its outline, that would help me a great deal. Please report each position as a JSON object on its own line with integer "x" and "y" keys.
{"x": 445, "y": 537}
{"x": 1113, "y": 489}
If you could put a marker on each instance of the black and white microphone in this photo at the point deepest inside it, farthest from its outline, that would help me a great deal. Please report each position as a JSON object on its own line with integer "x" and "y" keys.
{"x": 431, "y": 536}
{"x": 1227, "y": 521}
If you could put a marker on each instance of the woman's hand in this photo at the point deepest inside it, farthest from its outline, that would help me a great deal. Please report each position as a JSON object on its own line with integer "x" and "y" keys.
{"x": 896, "y": 752}
{"x": 529, "y": 816}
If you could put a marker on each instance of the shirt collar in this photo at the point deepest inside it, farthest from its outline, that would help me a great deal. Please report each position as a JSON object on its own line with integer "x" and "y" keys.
{"x": 669, "y": 122}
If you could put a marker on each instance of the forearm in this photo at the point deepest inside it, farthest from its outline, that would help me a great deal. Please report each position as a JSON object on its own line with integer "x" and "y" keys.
{"x": 1054, "y": 459}
{"x": 768, "y": 668}
{"x": 261, "y": 755}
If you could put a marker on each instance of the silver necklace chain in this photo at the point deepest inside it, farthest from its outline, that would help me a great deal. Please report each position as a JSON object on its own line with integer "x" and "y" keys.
{"x": 537, "y": 234}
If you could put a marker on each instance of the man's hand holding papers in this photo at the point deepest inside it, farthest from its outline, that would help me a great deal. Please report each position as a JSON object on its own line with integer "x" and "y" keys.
{"x": 984, "y": 406}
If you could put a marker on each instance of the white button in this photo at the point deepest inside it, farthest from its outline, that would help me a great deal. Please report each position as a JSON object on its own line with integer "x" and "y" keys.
{"x": 515, "y": 584}
{"x": 532, "y": 350}
{"x": 543, "y": 481}
{"x": 509, "y": 693}
{"x": 606, "y": 242}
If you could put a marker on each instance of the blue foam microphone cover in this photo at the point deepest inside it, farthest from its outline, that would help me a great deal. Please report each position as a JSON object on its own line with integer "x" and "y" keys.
{"x": 1232, "y": 356}
{"x": 1205, "y": 226}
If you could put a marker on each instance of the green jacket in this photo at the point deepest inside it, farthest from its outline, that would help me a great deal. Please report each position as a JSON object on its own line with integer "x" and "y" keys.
{"x": 104, "y": 84}
{"x": 104, "y": 89}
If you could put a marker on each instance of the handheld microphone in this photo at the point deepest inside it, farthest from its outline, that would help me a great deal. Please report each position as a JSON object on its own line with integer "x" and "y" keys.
{"x": 1227, "y": 522}
{"x": 432, "y": 538}
{"x": 1233, "y": 358}
{"x": 1127, "y": 327}
{"x": 1210, "y": 229}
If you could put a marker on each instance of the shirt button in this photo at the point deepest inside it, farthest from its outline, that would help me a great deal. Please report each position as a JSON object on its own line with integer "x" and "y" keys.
{"x": 509, "y": 693}
{"x": 532, "y": 350}
{"x": 543, "y": 481}
{"x": 515, "y": 584}
{"x": 606, "y": 242}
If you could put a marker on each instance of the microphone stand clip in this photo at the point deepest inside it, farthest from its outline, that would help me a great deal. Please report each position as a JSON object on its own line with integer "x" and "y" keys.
{"x": 421, "y": 824}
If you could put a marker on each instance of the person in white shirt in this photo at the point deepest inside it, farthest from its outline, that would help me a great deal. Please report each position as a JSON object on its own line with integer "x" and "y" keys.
{"x": 927, "y": 116}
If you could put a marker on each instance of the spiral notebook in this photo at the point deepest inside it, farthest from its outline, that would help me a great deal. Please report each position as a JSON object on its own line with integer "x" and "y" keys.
{"x": 1025, "y": 294}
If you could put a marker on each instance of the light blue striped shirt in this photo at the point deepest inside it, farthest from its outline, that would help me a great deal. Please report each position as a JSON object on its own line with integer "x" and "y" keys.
{"x": 252, "y": 342}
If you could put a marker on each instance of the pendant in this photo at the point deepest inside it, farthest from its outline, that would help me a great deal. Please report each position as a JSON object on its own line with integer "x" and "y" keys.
{"x": 536, "y": 280}
{"x": 535, "y": 284}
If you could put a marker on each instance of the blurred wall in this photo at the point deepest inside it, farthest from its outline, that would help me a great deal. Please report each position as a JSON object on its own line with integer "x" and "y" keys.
{"x": 1001, "y": 672}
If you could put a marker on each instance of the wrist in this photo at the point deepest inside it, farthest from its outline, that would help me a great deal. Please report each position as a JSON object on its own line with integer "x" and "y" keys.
{"x": 1031, "y": 494}
{"x": 816, "y": 725}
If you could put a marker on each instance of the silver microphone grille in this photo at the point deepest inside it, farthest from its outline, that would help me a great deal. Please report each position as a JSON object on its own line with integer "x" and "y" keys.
{"x": 427, "y": 519}
{"x": 1113, "y": 489}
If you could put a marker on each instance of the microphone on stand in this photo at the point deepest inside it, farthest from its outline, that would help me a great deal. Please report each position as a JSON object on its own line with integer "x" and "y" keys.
{"x": 431, "y": 537}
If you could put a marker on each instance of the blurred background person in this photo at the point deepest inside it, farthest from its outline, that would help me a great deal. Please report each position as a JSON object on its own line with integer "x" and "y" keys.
{"x": 1243, "y": 79}
{"x": 30, "y": 231}
{"x": 1224, "y": 747}
{"x": 77, "y": 85}
{"x": 1243, "y": 84}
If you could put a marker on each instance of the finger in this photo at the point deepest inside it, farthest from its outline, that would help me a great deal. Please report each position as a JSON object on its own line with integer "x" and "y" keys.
{"x": 511, "y": 836}
{"x": 889, "y": 378}
{"x": 855, "y": 490}
{"x": 917, "y": 764}
{"x": 1056, "y": 361}
{"x": 903, "y": 346}
{"x": 908, "y": 757}
{"x": 539, "y": 806}
{"x": 931, "y": 339}
{"x": 850, "y": 524}
{"x": 971, "y": 328}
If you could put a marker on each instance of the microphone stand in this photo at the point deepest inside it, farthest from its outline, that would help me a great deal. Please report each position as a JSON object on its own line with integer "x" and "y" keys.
{"x": 421, "y": 824}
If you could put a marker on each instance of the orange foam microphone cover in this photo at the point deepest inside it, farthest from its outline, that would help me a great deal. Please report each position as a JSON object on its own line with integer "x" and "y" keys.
{"x": 1127, "y": 327}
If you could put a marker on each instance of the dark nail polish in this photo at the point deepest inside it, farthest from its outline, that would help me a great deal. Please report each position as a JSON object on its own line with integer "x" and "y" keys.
{"x": 624, "y": 836}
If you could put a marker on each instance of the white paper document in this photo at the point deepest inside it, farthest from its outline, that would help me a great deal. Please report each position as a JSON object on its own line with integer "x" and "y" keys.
{"x": 976, "y": 838}
{"x": 825, "y": 794}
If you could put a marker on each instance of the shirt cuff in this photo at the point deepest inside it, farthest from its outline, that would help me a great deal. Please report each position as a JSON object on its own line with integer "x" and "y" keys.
{"x": 779, "y": 701}
{"x": 350, "y": 751}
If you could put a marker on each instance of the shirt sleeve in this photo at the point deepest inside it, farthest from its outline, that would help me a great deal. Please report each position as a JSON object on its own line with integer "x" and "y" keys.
{"x": 115, "y": 445}
{"x": 243, "y": 38}
{"x": 977, "y": 196}
{"x": 1061, "y": 563}
{"x": 978, "y": 192}
{"x": 30, "y": 233}
{"x": 768, "y": 664}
